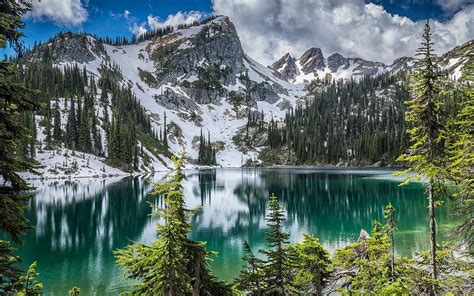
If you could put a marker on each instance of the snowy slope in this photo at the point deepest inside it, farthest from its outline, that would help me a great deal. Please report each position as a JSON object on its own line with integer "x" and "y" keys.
{"x": 219, "y": 117}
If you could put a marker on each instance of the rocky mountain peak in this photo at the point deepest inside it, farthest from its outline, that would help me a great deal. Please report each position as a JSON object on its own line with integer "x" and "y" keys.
{"x": 68, "y": 47}
{"x": 286, "y": 66}
{"x": 198, "y": 50}
{"x": 312, "y": 60}
{"x": 336, "y": 60}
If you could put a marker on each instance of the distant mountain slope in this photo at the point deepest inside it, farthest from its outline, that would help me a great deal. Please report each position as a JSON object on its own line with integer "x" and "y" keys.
{"x": 194, "y": 78}
{"x": 312, "y": 65}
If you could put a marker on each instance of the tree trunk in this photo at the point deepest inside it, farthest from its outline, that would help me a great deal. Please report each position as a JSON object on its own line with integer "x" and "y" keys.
{"x": 432, "y": 232}
{"x": 319, "y": 288}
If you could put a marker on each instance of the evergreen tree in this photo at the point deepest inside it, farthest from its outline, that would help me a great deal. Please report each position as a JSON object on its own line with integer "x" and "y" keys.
{"x": 461, "y": 155}
{"x": 313, "y": 266}
{"x": 27, "y": 284}
{"x": 15, "y": 99}
{"x": 72, "y": 133}
{"x": 426, "y": 155}
{"x": 390, "y": 228}
{"x": 251, "y": 276}
{"x": 165, "y": 132}
{"x": 173, "y": 264}
{"x": 277, "y": 270}
{"x": 57, "y": 132}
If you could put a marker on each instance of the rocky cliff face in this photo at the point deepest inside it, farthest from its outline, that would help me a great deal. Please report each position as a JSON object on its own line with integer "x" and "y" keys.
{"x": 212, "y": 49}
{"x": 312, "y": 60}
{"x": 68, "y": 47}
{"x": 286, "y": 66}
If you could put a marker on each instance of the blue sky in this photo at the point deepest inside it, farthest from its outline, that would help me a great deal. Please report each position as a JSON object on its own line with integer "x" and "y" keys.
{"x": 101, "y": 22}
{"x": 268, "y": 28}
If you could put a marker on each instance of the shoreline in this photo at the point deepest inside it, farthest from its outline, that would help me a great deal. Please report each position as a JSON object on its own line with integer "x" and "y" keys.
{"x": 198, "y": 168}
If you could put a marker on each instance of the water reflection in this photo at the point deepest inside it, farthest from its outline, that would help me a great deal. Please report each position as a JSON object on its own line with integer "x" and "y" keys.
{"x": 80, "y": 223}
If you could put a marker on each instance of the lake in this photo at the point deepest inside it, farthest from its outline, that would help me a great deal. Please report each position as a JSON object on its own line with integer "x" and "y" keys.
{"x": 78, "y": 223}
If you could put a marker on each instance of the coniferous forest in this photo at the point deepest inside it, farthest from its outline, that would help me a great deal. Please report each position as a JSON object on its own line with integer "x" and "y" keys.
{"x": 419, "y": 120}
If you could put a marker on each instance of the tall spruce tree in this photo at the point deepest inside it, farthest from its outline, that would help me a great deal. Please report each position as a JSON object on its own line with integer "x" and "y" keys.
{"x": 461, "y": 155}
{"x": 15, "y": 99}
{"x": 250, "y": 279}
{"x": 277, "y": 271}
{"x": 390, "y": 228}
{"x": 426, "y": 156}
{"x": 173, "y": 264}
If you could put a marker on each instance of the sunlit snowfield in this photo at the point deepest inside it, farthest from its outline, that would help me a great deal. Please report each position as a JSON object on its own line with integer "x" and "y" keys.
{"x": 79, "y": 223}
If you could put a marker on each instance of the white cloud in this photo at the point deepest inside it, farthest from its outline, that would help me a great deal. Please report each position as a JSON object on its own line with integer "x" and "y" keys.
{"x": 174, "y": 20}
{"x": 269, "y": 29}
{"x": 137, "y": 29}
{"x": 126, "y": 13}
{"x": 60, "y": 12}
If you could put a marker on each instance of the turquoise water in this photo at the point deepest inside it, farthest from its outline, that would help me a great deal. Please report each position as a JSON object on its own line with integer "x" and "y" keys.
{"x": 79, "y": 223}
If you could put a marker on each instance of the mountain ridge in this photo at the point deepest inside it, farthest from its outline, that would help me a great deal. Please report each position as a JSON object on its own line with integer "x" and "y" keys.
{"x": 200, "y": 78}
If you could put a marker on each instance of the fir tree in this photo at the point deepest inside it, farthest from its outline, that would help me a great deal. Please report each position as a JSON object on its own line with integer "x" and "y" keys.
{"x": 461, "y": 155}
{"x": 173, "y": 264}
{"x": 390, "y": 228}
{"x": 277, "y": 269}
{"x": 426, "y": 155}
{"x": 57, "y": 132}
{"x": 313, "y": 266}
{"x": 250, "y": 279}
{"x": 15, "y": 99}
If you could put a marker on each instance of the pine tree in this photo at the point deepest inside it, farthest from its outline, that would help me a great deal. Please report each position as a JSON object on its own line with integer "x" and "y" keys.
{"x": 173, "y": 264}
{"x": 15, "y": 100}
{"x": 165, "y": 132}
{"x": 426, "y": 155}
{"x": 57, "y": 132}
{"x": 72, "y": 133}
{"x": 461, "y": 155}
{"x": 27, "y": 284}
{"x": 250, "y": 277}
{"x": 277, "y": 269}
{"x": 313, "y": 265}
{"x": 390, "y": 228}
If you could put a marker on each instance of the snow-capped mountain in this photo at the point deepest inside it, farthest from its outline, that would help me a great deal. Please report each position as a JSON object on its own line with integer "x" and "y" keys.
{"x": 312, "y": 65}
{"x": 201, "y": 78}
{"x": 198, "y": 75}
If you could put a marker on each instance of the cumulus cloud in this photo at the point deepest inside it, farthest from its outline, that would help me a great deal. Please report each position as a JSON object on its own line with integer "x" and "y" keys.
{"x": 174, "y": 20}
{"x": 60, "y": 12}
{"x": 269, "y": 29}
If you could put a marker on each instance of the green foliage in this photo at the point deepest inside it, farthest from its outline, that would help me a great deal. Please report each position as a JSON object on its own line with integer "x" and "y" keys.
{"x": 16, "y": 106}
{"x": 427, "y": 155}
{"x": 27, "y": 284}
{"x": 9, "y": 270}
{"x": 365, "y": 265}
{"x": 313, "y": 266}
{"x": 277, "y": 270}
{"x": 173, "y": 264}
{"x": 353, "y": 122}
{"x": 75, "y": 291}
{"x": 250, "y": 278}
{"x": 461, "y": 155}
{"x": 207, "y": 153}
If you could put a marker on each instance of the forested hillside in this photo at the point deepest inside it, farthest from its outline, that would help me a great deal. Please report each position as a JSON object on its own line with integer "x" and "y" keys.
{"x": 354, "y": 123}
{"x": 98, "y": 116}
